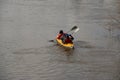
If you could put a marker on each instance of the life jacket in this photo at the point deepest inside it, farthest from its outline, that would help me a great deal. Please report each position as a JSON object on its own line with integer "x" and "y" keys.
{"x": 59, "y": 36}
{"x": 68, "y": 40}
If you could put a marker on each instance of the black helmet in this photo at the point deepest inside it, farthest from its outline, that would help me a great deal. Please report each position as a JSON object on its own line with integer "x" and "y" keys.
{"x": 61, "y": 31}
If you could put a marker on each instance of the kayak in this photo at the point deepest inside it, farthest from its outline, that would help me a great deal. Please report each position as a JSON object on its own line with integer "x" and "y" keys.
{"x": 67, "y": 45}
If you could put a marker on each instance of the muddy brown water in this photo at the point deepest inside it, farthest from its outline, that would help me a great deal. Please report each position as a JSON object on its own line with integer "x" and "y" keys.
{"x": 26, "y": 26}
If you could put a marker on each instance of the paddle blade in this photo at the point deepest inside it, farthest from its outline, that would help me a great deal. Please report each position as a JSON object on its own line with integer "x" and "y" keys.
{"x": 51, "y": 40}
{"x": 74, "y": 28}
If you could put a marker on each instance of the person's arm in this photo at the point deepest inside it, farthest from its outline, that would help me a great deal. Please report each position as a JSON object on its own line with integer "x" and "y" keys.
{"x": 71, "y": 37}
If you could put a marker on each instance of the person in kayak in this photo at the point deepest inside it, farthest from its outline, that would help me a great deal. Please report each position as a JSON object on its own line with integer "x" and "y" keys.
{"x": 66, "y": 38}
{"x": 60, "y": 35}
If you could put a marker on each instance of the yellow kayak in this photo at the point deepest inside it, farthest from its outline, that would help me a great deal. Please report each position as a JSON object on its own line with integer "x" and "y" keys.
{"x": 67, "y": 45}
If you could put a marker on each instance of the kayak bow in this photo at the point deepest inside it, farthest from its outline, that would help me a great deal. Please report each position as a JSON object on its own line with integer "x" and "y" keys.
{"x": 67, "y": 45}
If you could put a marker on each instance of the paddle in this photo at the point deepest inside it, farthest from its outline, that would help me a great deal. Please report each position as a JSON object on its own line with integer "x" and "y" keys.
{"x": 74, "y": 28}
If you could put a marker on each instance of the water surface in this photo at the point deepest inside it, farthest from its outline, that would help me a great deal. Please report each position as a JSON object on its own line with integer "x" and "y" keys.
{"x": 27, "y": 25}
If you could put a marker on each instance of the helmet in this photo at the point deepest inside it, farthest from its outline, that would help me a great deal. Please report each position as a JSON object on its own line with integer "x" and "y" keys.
{"x": 61, "y": 31}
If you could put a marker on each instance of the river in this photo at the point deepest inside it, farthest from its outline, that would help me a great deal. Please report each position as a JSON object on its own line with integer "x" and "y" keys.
{"x": 26, "y": 26}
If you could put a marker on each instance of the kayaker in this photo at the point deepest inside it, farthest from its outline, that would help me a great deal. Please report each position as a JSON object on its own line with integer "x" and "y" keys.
{"x": 66, "y": 38}
{"x": 69, "y": 38}
{"x": 60, "y": 35}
